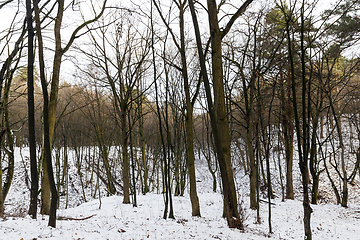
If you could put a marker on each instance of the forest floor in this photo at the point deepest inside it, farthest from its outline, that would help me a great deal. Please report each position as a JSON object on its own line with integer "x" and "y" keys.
{"x": 110, "y": 219}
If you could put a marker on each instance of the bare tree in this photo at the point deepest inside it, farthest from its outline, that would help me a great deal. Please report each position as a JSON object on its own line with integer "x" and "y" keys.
{"x": 120, "y": 59}
{"x": 55, "y": 79}
{"x": 217, "y": 111}
{"x": 189, "y": 100}
{"x": 47, "y": 139}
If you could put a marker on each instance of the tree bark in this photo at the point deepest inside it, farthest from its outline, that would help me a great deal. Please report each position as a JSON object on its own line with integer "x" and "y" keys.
{"x": 188, "y": 120}
{"x": 31, "y": 114}
{"x": 47, "y": 137}
{"x": 219, "y": 96}
{"x": 1, "y": 196}
{"x": 55, "y": 79}
{"x": 302, "y": 132}
{"x": 125, "y": 155}
{"x": 145, "y": 186}
{"x": 288, "y": 130}
{"x": 231, "y": 210}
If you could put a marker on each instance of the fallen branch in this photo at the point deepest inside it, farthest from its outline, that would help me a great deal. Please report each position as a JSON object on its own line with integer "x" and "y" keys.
{"x": 74, "y": 219}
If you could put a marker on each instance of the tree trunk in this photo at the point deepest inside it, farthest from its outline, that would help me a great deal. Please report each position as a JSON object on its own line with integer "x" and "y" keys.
{"x": 222, "y": 147}
{"x": 9, "y": 146}
{"x": 219, "y": 99}
{"x": 302, "y": 132}
{"x": 313, "y": 163}
{"x": 45, "y": 187}
{"x": 249, "y": 141}
{"x": 55, "y": 79}
{"x": 288, "y": 131}
{"x": 145, "y": 187}
{"x": 188, "y": 120}
{"x": 160, "y": 123}
{"x": 170, "y": 148}
{"x": 31, "y": 114}
{"x": 125, "y": 155}
{"x": 1, "y": 196}
{"x": 1, "y": 174}
{"x": 191, "y": 164}
{"x": 47, "y": 137}
{"x": 132, "y": 160}
{"x": 337, "y": 120}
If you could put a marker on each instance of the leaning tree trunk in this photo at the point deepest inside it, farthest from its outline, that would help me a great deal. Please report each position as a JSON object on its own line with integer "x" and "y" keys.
{"x": 45, "y": 185}
{"x": 55, "y": 80}
{"x": 47, "y": 137}
{"x": 344, "y": 197}
{"x": 8, "y": 146}
{"x": 188, "y": 121}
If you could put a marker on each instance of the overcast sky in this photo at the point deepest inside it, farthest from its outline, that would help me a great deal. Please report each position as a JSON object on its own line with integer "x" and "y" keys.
{"x": 72, "y": 18}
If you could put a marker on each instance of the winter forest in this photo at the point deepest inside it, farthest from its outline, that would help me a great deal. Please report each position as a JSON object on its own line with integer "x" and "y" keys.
{"x": 179, "y": 119}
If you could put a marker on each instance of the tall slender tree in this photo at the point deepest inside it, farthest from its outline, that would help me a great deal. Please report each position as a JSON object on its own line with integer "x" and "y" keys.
{"x": 47, "y": 139}
{"x": 217, "y": 109}
{"x": 54, "y": 85}
{"x": 302, "y": 128}
{"x": 31, "y": 113}
{"x": 189, "y": 101}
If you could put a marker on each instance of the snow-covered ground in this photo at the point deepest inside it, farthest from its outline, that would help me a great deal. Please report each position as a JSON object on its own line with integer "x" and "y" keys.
{"x": 115, "y": 220}
{"x": 118, "y": 221}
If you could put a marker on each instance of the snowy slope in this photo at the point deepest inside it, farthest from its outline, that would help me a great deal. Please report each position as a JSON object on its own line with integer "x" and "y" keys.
{"x": 118, "y": 221}
{"x": 115, "y": 220}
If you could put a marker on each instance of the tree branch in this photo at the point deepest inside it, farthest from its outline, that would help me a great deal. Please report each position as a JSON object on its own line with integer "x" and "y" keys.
{"x": 73, "y": 36}
{"x": 232, "y": 20}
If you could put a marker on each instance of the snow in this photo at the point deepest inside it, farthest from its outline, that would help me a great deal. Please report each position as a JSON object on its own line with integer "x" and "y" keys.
{"x": 119, "y": 221}
{"x": 115, "y": 220}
